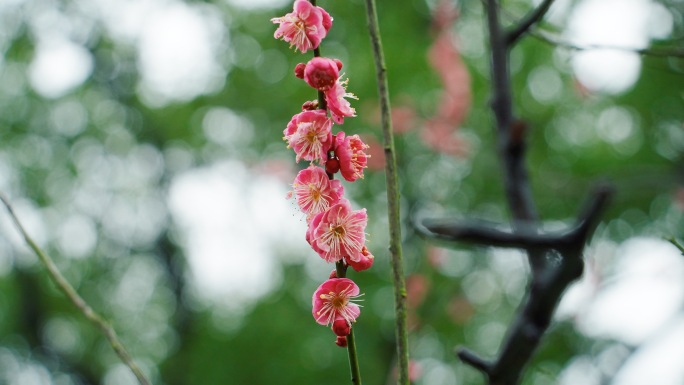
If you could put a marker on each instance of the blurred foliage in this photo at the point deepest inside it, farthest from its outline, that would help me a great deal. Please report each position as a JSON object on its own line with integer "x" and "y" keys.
{"x": 90, "y": 169}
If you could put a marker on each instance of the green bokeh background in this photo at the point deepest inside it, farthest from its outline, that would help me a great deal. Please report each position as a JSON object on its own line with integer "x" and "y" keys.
{"x": 179, "y": 340}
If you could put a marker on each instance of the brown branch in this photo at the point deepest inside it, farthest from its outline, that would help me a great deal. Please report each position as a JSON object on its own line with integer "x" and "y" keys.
{"x": 73, "y": 296}
{"x": 525, "y": 24}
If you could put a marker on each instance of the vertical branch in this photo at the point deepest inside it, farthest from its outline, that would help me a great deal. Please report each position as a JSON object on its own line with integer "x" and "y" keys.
{"x": 77, "y": 300}
{"x": 392, "y": 194}
{"x": 511, "y": 133}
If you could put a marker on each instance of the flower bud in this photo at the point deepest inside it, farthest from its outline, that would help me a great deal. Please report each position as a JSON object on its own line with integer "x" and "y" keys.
{"x": 341, "y": 327}
{"x": 321, "y": 73}
{"x": 310, "y": 105}
{"x": 332, "y": 166}
{"x": 299, "y": 70}
{"x": 333, "y": 274}
{"x": 341, "y": 341}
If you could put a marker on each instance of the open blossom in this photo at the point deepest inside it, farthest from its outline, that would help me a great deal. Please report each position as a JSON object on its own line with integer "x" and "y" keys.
{"x": 338, "y": 232}
{"x": 309, "y": 135}
{"x": 322, "y": 73}
{"x": 333, "y": 300}
{"x": 304, "y": 27}
{"x": 315, "y": 192}
{"x": 337, "y": 104}
{"x": 350, "y": 153}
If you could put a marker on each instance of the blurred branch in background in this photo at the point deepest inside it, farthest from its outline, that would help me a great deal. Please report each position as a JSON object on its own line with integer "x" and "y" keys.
{"x": 76, "y": 299}
{"x": 550, "y": 276}
{"x": 548, "y": 286}
{"x": 676, "y": 244}
{"x": 525, "y": 24}
{"x": 665, "y": 50}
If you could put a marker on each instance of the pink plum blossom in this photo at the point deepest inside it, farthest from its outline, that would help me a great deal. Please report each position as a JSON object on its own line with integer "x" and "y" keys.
{"x": 337, "y": 104}
{"x": 333, "y": 301}
{"x": 321, "y": 73}
{"x": 309, "y": 135}
{"x": 315, "y": 192}
{"x": 304, "y": 27}
{"x": 338, "y": 232}
{"x": 349, "y": 150}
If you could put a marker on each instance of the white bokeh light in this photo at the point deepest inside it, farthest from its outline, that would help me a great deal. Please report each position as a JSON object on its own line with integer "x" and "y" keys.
{"x": 58, "y": 67}
{"x": 233, "y": 226}
{"x": 623, "y": 25}
{"x": 179, "y": 54}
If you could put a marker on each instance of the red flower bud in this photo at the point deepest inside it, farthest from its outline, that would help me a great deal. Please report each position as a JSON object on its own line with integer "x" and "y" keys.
{"x": 299, "y": 70}
{"x": 310, "y": 105}
{"x": 341, "y": 342}
{"x": 332, "y": 166}
{"x": 341, "y": 327}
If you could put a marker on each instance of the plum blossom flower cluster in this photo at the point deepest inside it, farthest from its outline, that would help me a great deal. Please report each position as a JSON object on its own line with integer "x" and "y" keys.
{"x": 336, "y": 232}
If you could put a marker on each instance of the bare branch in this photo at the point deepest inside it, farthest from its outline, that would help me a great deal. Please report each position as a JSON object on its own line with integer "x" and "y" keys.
{"x": 550, "y": 276}
{"x": 76, "y": 299}
{"x": 548, "y": 284}
{"x": 525, "y": 24}
{"x": 525, "y": 236}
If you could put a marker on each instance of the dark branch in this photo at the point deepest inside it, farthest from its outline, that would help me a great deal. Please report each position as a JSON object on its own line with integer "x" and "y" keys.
{"x": 526, "y": 235}
{"x": 525, "y": 24}
{"x": 550, "y": 277}
{"x": 474, "y": 360}
{"x": 547, "y": 286}
{"x": 511, "y": 133}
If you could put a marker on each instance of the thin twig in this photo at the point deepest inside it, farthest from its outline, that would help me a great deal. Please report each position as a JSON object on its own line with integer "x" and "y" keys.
{"x": 76, "y": 299}
{"x": 676, "y": 244}
{"x": 525, "y": 24}
{"x": 391, "y": 176}
{"x": 555, "y": 40}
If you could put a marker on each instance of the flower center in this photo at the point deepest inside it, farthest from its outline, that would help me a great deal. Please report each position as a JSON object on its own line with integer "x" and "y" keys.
{"x": 311, "y": 137}
{"x": 315, "y": 192}
{"x": 339, "y": 231}
{"x": 339, "y": 301}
